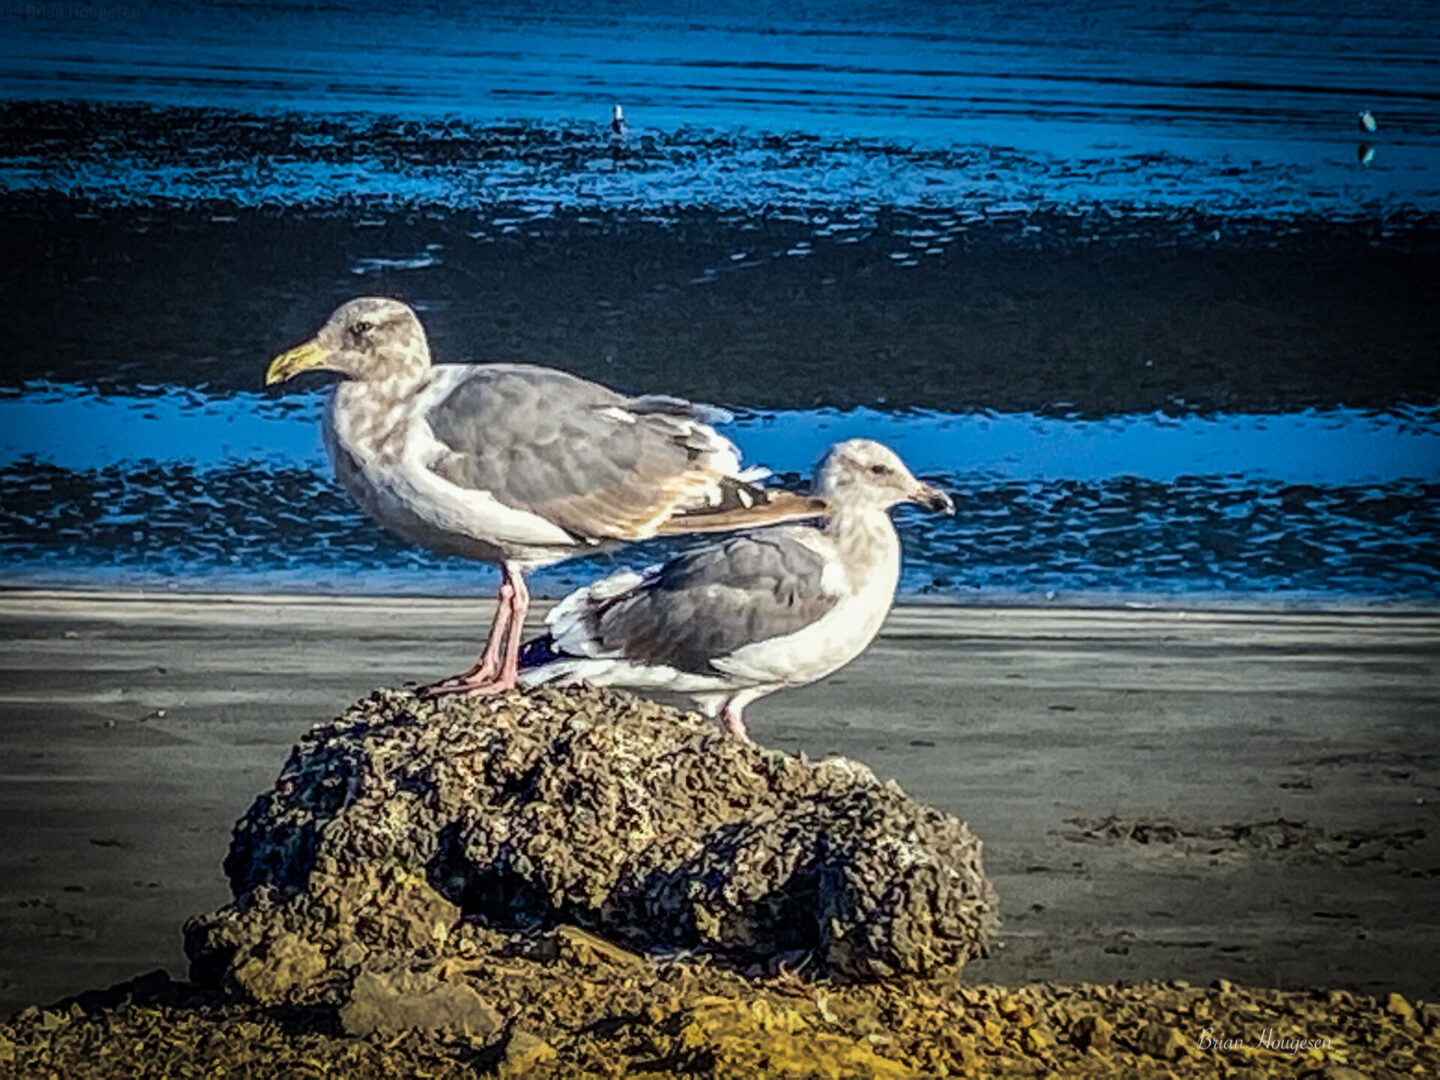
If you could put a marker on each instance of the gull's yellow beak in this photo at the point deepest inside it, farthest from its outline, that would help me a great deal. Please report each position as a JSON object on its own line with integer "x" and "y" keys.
{"x": 305, "y": 357}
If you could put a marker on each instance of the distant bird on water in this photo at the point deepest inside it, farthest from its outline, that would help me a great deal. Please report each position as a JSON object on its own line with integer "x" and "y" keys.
{"x": 1367, "y": 121}
{"x": 751, "y": 614}
{"x": 516, "y": 465}
{"x": 619, "y": 131}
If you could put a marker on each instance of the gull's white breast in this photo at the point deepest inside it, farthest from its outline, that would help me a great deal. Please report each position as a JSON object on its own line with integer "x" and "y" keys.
{"x": 382, "y": 448}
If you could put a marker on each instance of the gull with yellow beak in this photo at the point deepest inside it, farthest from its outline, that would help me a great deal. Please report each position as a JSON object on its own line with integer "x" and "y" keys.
{"x": 754, "y": 613}
{"x": 516, "y": 465}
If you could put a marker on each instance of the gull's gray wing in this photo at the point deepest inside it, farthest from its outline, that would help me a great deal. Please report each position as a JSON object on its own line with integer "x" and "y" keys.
{"x": 594, "y": 462}
{"x": 704, "y": 605}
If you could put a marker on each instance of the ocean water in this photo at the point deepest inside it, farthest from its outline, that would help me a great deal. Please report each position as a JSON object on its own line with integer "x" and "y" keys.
{"x": 1131, "y": 280}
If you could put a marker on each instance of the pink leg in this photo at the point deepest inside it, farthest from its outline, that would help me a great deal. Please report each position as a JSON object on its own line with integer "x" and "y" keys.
{"x": 732, "y": 721}
{"x": 514, "y": 631}
{"x": 498, "y": 667}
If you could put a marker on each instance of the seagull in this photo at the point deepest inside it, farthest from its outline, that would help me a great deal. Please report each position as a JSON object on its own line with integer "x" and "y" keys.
{"x": 759, "y": 611}
{"x": 618, "y": 126}
{"x": 513, "y": 464}
{"x": 1367, "y": 121}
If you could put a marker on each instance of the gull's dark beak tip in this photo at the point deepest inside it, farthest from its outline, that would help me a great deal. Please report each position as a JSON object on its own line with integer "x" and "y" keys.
{"x": 933, "y": 498}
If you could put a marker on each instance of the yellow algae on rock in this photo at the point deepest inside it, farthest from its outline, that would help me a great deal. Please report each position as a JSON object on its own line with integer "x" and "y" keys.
{"x": 761, "y": 1038}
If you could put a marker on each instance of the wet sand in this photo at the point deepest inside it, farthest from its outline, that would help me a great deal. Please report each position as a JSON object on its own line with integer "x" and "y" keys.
{"x": 136, "y": 728}
{"x": 1092, "y": 314}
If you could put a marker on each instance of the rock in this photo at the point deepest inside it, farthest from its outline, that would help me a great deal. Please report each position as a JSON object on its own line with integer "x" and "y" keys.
{"x": 681, "y": 1019}
{"x": 351, "y": 955}
{"x": 278, "y": 971}
{"x": 1430, "y": 1016}
{"x": 395, "y": 1002}
{"x": 589, "y": 951}
{"x": 1014, "y": 1010}
{"x": 406, "y": 826}
{"x": 1398, "y": 1007}
{"x": 1161, "y": 1041}
{"x": 524, "y": 1054}
{"x": 1035, "y": 1041}
{"x": 1091, "y": 1032}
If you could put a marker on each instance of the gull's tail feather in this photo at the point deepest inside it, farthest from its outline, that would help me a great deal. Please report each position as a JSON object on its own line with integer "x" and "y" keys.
{"x": 745, "y": 506}
{"x": 665, "y": 405}
{"x": 572, "y": 630}
{"x": 543, "y": 660}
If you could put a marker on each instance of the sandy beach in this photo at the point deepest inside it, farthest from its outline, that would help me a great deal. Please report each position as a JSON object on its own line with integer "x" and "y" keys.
{"x": 1238, "y": 794}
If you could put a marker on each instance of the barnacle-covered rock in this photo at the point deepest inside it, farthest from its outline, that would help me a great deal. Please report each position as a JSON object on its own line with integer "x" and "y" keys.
{"x": 404, "y": 828}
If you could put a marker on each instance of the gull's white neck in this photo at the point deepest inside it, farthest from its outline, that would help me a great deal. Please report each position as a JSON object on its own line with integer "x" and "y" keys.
{"x": 366, "y": 416}
{"x": 867, "y": 544}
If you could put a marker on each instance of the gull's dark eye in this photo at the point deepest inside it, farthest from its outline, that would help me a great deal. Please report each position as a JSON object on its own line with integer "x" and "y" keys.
{"x": 880, "y": 470}
{"x": 361, "y": 328}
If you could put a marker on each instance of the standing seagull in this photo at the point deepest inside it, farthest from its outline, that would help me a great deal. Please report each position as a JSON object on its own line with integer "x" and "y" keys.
{"x": 733, "y": 621}
{"x": 512, "y": 464}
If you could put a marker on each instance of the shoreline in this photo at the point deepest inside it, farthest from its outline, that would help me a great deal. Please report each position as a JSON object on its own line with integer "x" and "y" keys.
{"x": 1258, "y": 605}
{"x": 1162, "y": 794}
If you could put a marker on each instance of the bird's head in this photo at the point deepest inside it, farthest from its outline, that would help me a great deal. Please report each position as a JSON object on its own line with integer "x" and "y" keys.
{"x": 862, "y": 472}
{"x": 369, "y": 338}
